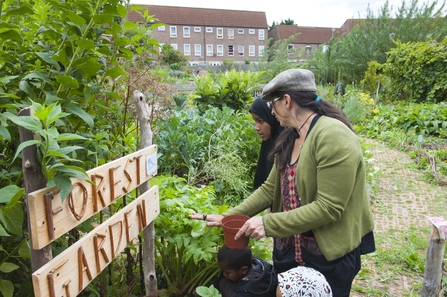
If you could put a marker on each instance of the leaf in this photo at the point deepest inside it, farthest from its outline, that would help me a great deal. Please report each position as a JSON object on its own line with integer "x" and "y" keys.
{"x": 6, "y": 79}
{"x": 68, "y": 81}
{"x": 7, "y": 267}
{"x": 74, "y": 109}
{"x": 4, "y": 133}
{"x": 10, "y": 192}
{"x": 12, "y": 218}
{"x": 24, "y": 145}
{"x": 25, "y": 87}
{"x": 70, "y": 136}
{"x": 27, "y": 122}
{"x": 51, "y": 98}
{"x": 38, "y": 75}
{"x": 47, "y": 57}
{"x": 11, "y": 35}
{"x": 63, "y": 183}
{"x": 115, "y": 72}
{"x": 6, "y": 288}
{"x": 74, "y": 171}
{"x": 3, "y": 231}
{"x": 85, "y": 44}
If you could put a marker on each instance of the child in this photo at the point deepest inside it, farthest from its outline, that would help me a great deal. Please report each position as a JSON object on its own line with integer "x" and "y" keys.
{"x": 302, "y": 281}
{"x": 268, "y": 129}
{"x": 243, "y": 275}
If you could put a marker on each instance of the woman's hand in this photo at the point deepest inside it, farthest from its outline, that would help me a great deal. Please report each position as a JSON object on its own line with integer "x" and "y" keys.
{"x": 254, "y": 228}
{"x": 211, "y": 219}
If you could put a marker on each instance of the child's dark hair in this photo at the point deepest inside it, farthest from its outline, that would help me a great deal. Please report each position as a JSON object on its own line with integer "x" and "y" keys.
{"x": 285, "y": 141}
{"x": 234, "y": 259}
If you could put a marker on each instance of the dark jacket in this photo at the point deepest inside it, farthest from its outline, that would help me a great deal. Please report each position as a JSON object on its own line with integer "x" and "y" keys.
{"x": 261, "y": 281}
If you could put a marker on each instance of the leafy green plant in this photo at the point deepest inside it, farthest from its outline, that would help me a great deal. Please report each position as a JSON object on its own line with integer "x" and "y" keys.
{"x": 55, "y": 160}
{"x": 231, "y": 89}
{"x": 210, "y": 291}
{"x": 186, "y": 248}
{"x": 219, "y": 146}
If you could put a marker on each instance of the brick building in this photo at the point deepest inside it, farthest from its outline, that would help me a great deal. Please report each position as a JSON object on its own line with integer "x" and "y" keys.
{"x": 209, "y": 36}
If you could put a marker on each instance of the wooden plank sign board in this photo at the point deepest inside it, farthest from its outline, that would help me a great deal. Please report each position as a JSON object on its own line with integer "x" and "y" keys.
{"x": 50, "y": 218}
{"x": 72, "y": 270}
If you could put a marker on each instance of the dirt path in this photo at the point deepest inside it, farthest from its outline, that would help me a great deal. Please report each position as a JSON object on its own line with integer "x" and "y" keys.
{"x": 402, "y": 201}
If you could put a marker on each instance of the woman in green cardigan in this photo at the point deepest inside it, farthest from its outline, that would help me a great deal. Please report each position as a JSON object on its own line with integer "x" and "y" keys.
{"x": 321, "y": 215}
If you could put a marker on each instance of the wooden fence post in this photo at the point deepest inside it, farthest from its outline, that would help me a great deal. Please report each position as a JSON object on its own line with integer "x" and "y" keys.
{"x": 435, "y": 257}
{"x": 33, "y": 179}
{"x": 144, "y": 118}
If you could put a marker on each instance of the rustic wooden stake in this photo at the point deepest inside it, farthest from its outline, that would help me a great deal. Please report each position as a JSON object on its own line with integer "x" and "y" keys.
{"x": 433, "y": 264}
{"x": 33, "y": 179}
{"x": 144, "y": 118}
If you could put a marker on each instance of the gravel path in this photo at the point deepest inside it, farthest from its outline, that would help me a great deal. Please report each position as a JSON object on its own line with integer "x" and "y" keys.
{"x": 402, "y": 201}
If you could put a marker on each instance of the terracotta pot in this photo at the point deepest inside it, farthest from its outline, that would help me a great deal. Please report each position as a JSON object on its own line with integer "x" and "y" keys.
{"x": 231, "y": 225}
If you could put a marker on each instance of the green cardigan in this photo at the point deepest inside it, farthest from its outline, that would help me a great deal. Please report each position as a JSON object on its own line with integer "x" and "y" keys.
{"x": 331, "y": 182}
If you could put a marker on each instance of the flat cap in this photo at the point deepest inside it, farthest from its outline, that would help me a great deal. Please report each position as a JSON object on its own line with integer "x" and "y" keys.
{"x": 290, "y": 80}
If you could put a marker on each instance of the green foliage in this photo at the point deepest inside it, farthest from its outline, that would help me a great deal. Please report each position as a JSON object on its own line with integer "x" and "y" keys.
{"x": 171, "y": 56}
{"x": 416, "y": 71}
{"x": 219, "y": 146}
{"x": 208, "y": 291}
{"x": 186, "y": 248}
{"x": 421, "y": 119}
{"x": 57, "y": 165}
{"x": 357, "y": 106}
{"x": 347, "y": 57}
{"x": 276, "y": 58}
{"x": 231, "y": 89}
{"x": 66, "y": 59}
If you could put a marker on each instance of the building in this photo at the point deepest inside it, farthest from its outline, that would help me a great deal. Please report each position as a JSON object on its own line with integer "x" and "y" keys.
{"x": 307, "y": 39}
{"x": 209, "y": 36}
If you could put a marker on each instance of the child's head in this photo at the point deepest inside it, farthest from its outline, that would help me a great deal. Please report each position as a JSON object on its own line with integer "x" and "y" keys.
{"x": 266, "y": 124}
{"x": 234, "y": 263}
{"x": 302, "y": 281}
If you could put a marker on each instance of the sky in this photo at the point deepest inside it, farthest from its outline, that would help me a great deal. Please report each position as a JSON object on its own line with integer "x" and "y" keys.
{"x": 313, "y": 13}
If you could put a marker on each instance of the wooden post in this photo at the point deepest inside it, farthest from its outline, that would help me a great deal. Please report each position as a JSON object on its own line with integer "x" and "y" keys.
{"x": 33, "y": 179}
{"x": 144, "y": 118}
{"x": 433, "y": 264}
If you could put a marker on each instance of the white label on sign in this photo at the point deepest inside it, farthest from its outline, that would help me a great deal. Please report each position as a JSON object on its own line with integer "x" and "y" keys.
{"x": 151, "y": 164}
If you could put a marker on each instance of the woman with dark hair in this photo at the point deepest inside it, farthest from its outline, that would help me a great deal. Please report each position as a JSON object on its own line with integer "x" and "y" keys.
{"x": 268, "y": 129}
{"x": 321, "y": 215}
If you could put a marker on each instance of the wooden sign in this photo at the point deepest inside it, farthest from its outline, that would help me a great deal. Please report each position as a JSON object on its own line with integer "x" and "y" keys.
{"x": 72, "y": 270}
{"x": 50, "y": 217}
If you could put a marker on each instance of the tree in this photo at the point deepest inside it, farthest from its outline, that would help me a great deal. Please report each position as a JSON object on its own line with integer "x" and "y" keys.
{"x": 171, "y": 56}
{"x": 374, "y": 36}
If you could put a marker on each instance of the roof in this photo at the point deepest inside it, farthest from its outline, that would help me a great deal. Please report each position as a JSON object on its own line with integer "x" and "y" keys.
{"x": 308, "y": 35}
{"x": 191, "y": 16}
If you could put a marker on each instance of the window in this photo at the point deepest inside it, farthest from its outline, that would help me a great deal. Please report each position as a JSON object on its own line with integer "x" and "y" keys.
{"x": 240, "y": 50}
{"x": 209, "y": 30}
{"x": 160, "y": 49}
{"x": 251, "y": 50}
{"x": 220, "y": 50}
{"x": 209, "y": 49}
{"x": 290, "y": 48}
{"x": 308, "y": 49}
{"x": 197, "y": 50}
{"x": 261, "y": 50}
{"x": 187, "y": 49}
{"x": 186, "y": 32}
{"x": 173, "y": 30}
{"x": 325, "y": 48}
{"x": 230, "y": 33}
{"x": 162, "y": 28}
{"x": 219, "y": 33}
{"x": 261, "y": 34}
{"x": 240, "y": 31}
{"x": 251, "y": 31}
{"x": 174, "y": 46}
{"x": 197, "y": 29}
{"x": 230, "y": 51}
